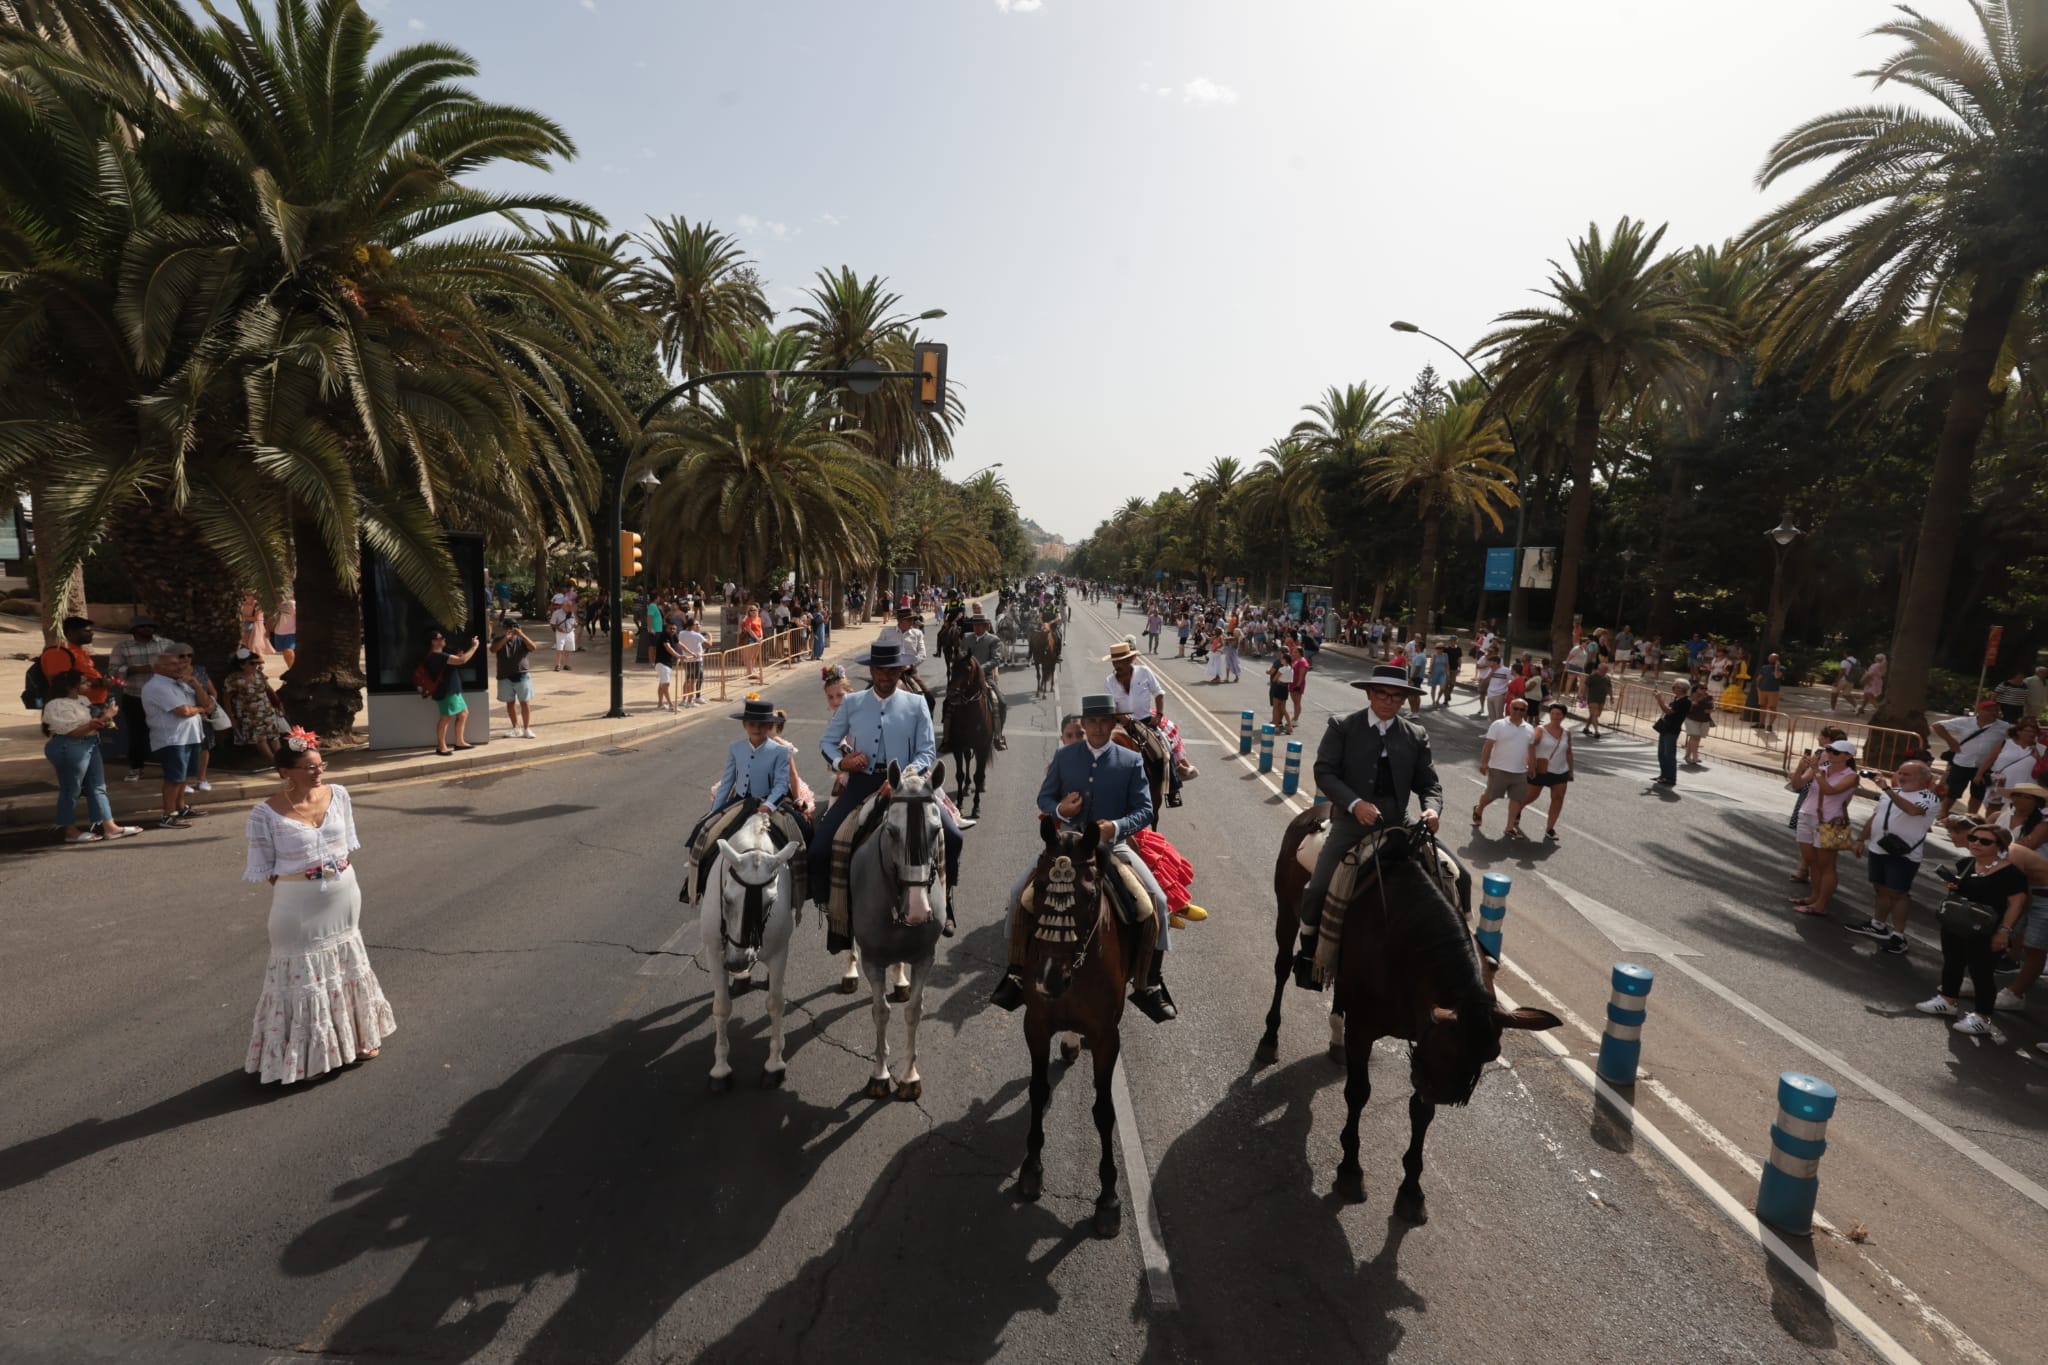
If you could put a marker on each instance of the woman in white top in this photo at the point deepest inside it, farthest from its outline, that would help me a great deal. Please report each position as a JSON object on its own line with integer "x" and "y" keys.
{"x": 74, "y": 751}
{"x": 1550, "y": 765}
{"x": 321, "y": 1007}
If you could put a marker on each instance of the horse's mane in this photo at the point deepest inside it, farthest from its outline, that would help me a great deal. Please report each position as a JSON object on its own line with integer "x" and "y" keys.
{"x": 1429, "y": 923}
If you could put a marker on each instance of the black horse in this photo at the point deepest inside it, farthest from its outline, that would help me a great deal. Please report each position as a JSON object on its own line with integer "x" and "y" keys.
{"x": 1407, "y": 968}
{"x": 970, "y": 728}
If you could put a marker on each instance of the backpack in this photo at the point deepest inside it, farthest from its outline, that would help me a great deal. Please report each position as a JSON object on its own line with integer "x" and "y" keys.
{"x": 425, "y": 680}
{"x": 35, "y": 688}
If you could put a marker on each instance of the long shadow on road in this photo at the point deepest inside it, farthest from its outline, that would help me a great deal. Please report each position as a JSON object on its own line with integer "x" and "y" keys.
{"x": 642, "y": 1189}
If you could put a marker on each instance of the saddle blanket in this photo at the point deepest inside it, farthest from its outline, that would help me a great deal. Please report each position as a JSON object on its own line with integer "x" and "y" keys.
{"x": 839, "y": 895}
{"x": 722, "y": 824}
{"x": 1354, "y": 874}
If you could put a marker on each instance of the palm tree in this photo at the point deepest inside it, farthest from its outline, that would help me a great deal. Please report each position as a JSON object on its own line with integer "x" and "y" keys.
{"x": 1208, "y": 511}
{"x": 1285, "y": 491}
{"x": 848, "y": 319}
{"x": 1346, "y": 424}
{"x": 366, "y": 360}
{"x": 1619, "y": 327}
{"x": 700, "y": 289}
{"x": 1912, "y": 206}
{"x": 1443, "y": 458}
{"x": 761, "y": 473}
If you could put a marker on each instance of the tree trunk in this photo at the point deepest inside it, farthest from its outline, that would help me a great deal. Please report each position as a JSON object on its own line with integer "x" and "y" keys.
{"x": 181, "y": 583}
{"x": 42, "y": 528}
{"x": 1663, "y": 617}
{"x": 1993, "y": 301}
{"x": 323, "y": 690}
{"x": 1579, "y": 511}
{"x": 1425, "y": 586}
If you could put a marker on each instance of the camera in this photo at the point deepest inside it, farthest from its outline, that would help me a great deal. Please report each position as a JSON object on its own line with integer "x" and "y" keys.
{"x": 1873, "y": 774}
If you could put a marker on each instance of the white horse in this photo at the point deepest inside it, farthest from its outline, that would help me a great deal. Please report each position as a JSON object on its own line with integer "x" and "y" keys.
{"x": 749, "y": 914}
{"x": 897, "y": 905}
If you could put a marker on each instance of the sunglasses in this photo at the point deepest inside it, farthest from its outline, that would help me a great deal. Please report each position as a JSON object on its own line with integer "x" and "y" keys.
{"x": 1975, "y": 839}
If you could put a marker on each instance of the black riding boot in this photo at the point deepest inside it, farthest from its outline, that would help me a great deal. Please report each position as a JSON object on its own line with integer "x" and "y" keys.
{"x": 1009, "y": 992}
{"x": 1151, "y": 999}
{"x": 1305, "y": 960}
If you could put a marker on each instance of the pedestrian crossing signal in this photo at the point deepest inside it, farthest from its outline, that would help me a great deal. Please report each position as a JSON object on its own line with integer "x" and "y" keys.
{"x": 629, "y": 554}
{"x": 931, "y": 376}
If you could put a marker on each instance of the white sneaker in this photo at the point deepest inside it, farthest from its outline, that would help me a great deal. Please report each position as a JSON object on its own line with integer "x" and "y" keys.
{"x": 202, "y": 786}
{"x": 1973, "y": 1024}
{"x": 132, "y": 777}
{"x": 1936, "y": 1004}
{"x": 528, "y": 733}
{"x": 2008, "y": 1001}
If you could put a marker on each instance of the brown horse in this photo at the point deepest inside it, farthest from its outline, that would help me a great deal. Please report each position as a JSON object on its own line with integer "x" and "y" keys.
{"x": 1077, "y": 968}
{"x": 949, "y": 641}
{"x": 1045, "y": 656}
{"x": 1408, "y": 968}
{"x": 1135, "y": 735}
{"x": 970, "y": 731}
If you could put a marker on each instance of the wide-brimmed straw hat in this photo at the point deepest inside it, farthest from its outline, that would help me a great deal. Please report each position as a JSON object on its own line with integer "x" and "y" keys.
{"x": 1121, "y": 650}
{"x": 2033, "y": 789}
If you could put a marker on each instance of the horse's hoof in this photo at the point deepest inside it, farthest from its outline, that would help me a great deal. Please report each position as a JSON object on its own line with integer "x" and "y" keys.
{"x": 1030, "y": 1184}
{"x": 899, "y": 995}
{"x": 1411, "y": 1208}
{"x": 848, "y": 985}
{"x": 910, "y": 1091}
{"x": 720, "y": 1084}
{"x": 878, "y": 1088}
{"x": 1109, "y": 1220}
{"x": 1268, "y": 1049}
{"x": 1335, "y": 1052}
{"x": 1351, "y": 1185}
{"x": 772, "y": 1080}
{"x": 1070, "y": 1052}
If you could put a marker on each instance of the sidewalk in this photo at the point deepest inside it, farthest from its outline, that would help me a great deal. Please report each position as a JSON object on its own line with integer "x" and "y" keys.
{"x": 568, "y": 717}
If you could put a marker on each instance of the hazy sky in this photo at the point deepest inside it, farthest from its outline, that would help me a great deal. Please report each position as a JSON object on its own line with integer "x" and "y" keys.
{"x": 1160, "y": 227}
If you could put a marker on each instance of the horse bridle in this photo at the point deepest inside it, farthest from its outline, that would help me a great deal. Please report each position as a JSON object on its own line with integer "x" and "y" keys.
{"x": 753, "y": 911}
{"x": 915, "y": 833}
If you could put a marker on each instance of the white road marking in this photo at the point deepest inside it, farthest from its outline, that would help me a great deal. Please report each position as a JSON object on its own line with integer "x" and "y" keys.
{"x": 1636, "y": 936}
{"x": 1959, "y": 1341}
{"x": 677, "y": 951}
{"x": 1151, "y": 1238}
{"x": 1837, "y": 1302}
{"x": 512, "y": 1134}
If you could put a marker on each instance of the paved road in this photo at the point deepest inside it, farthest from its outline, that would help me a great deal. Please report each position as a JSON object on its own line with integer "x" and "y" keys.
{"x": 533, "y": 1170}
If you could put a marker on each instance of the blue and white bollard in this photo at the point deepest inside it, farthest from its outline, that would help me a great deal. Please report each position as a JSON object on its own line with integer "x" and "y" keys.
{"x": 1792, "y": 1171}
{"x": 1266, "y": 748}
{"x": 1244, "y": 732}
{"x": 1290, "y": 773}
{"x": 1493, "y": 911}
{"x": 1621, "y": 1043}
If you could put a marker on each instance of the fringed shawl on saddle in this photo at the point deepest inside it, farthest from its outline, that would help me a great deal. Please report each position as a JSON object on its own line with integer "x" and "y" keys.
{"x": 852, "y": 830}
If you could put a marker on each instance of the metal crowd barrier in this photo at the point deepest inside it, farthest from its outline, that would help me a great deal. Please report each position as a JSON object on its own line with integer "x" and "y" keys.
{"x": 782, "y": 649}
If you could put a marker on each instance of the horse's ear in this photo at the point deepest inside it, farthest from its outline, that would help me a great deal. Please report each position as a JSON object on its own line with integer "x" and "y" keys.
{"x": 1049, "y": 830}
{"x": 939, "y": 774}
{"x": 788, "y": 851}
{"x": 731, "y": 853}
{"x": 895, "y": 774}
{"x": 1526, "y": 1018}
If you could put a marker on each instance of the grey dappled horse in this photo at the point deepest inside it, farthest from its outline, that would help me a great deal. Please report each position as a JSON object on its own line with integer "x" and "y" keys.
{"x": 896, "y": 887}
{"x": 748, "y": 915}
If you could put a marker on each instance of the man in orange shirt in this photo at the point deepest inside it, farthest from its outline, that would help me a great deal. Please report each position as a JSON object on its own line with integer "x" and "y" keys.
{"x": 76, "y": 652}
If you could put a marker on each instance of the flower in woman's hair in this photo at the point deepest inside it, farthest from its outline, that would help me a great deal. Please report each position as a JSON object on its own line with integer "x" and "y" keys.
{"x": 298, "y": 740}
{"x": 753, "y": 696}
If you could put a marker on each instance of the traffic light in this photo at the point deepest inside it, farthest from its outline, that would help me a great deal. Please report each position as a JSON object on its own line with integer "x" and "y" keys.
{"x": 629, "y": 554}
{"x": 931, "y": 376}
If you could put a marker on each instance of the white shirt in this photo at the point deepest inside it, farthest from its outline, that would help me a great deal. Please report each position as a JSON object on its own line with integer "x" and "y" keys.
{"x": 690, "y": 644}
{"x": 65, "y": 714}
{"x": 1980, "y": 743}
{"x": 1135, "y": 700}
{"x": 911, "y": 641}
{"x": 280, "y": 846}
{"x": 2012, "y": 765}
{"x": 1554, "y": 750}
{"x": 1511, "y": 744}
{"x": 1912, "y": 828}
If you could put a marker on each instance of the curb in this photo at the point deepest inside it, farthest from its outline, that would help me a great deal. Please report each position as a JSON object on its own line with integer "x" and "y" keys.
{"x": 26, "y": 815}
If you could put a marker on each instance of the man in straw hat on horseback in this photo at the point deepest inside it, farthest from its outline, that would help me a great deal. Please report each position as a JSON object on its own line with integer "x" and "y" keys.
{"x": 1369, "y": 763}
{"x": 1098, "y": 784}
{"x": 985, "y": 648}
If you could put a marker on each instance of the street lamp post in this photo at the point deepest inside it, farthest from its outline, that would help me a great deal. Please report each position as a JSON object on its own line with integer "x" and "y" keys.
{"x": 1628, "y": 561}
{"x": 1781, "y": 537}
{"x": 1522, "y": 497}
